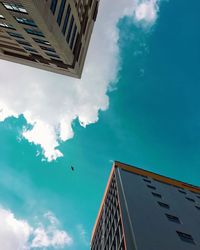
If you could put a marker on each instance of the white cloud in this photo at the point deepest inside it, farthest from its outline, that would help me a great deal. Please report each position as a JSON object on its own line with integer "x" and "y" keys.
{"x": 146, "y": 11}
{"x": 51, "y": 102}
{"x": 16, "y": 234}
{"x": 83, "y": 235}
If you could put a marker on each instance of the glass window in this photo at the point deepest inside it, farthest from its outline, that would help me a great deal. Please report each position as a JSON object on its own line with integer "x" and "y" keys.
{"x": 52, "y": 55}
{"x": 73, "y": 37}
{"x": 2, "y": 17}
{"x": 60, "y": 13}
{"x": 30, "y": 49}
{"x": 150, "y": 186}
{"x": 6, "y": 25}
{"x": 34, "y": 32}
{"x": 185, "y": 237}
{"x": 70, "y": 29}
{"x": 23, "y": 42}
{"x": 15, "y": 35}
{"x": 146, "y": 180}
{"x": 14, "y": 7}
{"x": 157, "y": 195}
{"x": 66, "y": 20}
{"x": 25, "y": 21}
{"x": 53, "y": 5}
{"x": 163, "y": 204}
{"x": 190, "y": 199}
{"x": 37, "y": 40}
{"x": 173, "y": 218}
{"x": 181, "y": 191}
{"x": 47, "y": 48}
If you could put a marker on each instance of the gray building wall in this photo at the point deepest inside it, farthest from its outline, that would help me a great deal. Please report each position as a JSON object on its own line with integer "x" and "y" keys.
{"x": 145, "y": 223}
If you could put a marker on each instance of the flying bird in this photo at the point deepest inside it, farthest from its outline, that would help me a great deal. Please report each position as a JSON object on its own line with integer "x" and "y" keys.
{"x": 72, "y": 168}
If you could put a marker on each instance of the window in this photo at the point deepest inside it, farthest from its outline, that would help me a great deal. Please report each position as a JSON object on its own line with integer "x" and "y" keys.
{"x": 53, "y": 6}
{"x": 181, "y": 191}
{"x": 60, "y": 13}
{"x": 198, "y": 197}
{"x": 152, "y": 187}
{"x": 190, "y": 199}
{"x": 6, "y": 25}
{"x": 73, "y": 37}
{"x": 52, "y": 55}
{"x": 173, "y": 218}
{"x": 66, "y": 20}
{"x": 14, "y": 7}
{"x": 15, "y": 35}
{"x": 37, "y": 40}
{"x": 2, "y": 17}
{"x": 157, "y": 195}
{"x": 23, "y": 42}
{"x": 185, "y": 237}
{"x": 70, "y": 29}
{"x": 25, "y": 21}
{"x": 147, "y": 180}
{"x": 163, "y": 204}
{"x": 197, "y": 207}
{"x": 30, "y": 49}
{"x": 34, "y": 32}
{"x": 47, "y": 48}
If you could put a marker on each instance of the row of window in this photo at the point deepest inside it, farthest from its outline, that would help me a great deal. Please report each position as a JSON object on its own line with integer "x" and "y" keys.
{"x": 72, "y": 29}
{"x": 183, "y": 236}
{"x": 14, "y": 7}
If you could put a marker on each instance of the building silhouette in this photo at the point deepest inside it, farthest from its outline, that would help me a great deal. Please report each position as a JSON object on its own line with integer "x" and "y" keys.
{"x": 53, "y": 35}
{"x": 146, "y": 211}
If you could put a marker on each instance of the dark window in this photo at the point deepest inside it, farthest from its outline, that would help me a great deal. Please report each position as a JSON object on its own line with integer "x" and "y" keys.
{"x": 157, "y": 195}
{"x": 30, "y": 49}
{"x": 37, "y": 40}
{"x": 152, "y": 187}
{"x": 25, "y": 21}
{"x": 173, "y": 218}
{"x": 14, "y": 7}
{"x": 52, "y": 55}
{"x": 70, "y": 29}
{"x": 190, "y": 199}
{"x": 197, "y": 207}
{"x": 15, "y": 35}
{"x": 47, "y": 48}
{"x": 73, "y": 37}
{"x": 163, "y": 204}
{"x": 147, "y": 180}
{"x": 198, "y": 197}
{"x": 34, "y": 32}
{"x": 181, "y": 191}
{"x": 6, "y": 25}
{"x": 23, "y": 42}
{"x": 60, "y": 13}
{"x": 66, "y": 19}
{"x": 53, "y": 5}
{"x": 185, "y": 237}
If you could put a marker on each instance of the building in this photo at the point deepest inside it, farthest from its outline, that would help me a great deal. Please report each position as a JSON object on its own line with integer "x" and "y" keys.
{"x": 146, "y": 211}
{"x": 52, "y": 35}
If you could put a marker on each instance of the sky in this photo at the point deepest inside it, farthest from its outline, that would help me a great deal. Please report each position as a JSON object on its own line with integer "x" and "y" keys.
{"x": 137, "y": 102}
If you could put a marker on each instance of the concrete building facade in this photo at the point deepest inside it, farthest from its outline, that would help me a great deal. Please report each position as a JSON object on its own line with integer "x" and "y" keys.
{"x": 53, "y": 35}
{"x": 142, "y": 210}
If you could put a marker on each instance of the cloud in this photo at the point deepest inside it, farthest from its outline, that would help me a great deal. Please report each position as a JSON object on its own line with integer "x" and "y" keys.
{"x": 16, "y": 234}
{"x": 50, "y": 102}
{"x": 146, "y": 11}
{"x": 83, "y": 235}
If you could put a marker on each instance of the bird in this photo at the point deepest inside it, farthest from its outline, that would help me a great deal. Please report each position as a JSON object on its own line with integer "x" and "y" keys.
{"x": 72, "y": 168}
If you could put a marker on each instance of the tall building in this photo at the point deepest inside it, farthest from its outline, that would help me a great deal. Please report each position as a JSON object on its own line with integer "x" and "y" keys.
{"x": 146, "y": 211}
{"x": 52, "y": 35}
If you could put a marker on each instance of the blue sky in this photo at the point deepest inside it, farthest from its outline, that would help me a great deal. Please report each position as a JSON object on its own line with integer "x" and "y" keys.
{"x": 138, "y": 102}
